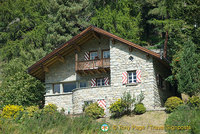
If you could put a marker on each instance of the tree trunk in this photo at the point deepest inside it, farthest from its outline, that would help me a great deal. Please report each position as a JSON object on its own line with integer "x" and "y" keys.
{"x": 165, "y": 44}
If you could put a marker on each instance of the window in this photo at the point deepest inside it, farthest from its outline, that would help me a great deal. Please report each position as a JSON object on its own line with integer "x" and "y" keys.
{"x": 93, "y": 55}
{"x": 100, "y": 82}
{"x": 56, "y": 88}
{"x": 106, "y": 54}
{"x": 83, "y": 84}
{"x": 68, "y": 87}
{"x": 132, "y": 77}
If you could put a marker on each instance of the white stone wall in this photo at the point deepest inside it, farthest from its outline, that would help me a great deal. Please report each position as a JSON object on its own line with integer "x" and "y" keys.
{"x": 120, "y": 63}
{"x": 62, "y": 101}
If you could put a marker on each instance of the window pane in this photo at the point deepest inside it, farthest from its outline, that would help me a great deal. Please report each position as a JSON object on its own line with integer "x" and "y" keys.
{"x": 93, "y": 55}
{"x": 56, "y": 88}
{"x": 132, "y": 77}
{"x": 68, "y": 87}
{"x": 83, "y": 84}
{"x": 106, "y": 54}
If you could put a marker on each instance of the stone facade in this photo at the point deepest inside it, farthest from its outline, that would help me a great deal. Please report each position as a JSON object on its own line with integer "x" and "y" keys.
{"x": 119, "y": 63}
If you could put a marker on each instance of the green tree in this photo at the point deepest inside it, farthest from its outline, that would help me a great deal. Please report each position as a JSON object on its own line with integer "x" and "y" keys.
{"x": 22, "y": 42}
{"x": 66, "y": 18}
{"x": 186, "y": 68}
{"x": 122, "y": 18}
{"x": 22, "y": 89}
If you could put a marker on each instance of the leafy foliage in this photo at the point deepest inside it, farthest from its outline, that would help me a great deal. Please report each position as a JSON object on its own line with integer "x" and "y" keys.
{"x": 50, "y": 108}
{"x": 187, "y": 69}
{"x": 139, "y": 108}
{"x": 117, "y": 108}
{"x": 194, "y": 101}
{"x": 31, "y": 110}
{"x": 22, "y": 89}
{"x": 11, "y": 111}
{"x": 122, "y": 106}
{"x": 172, "y": 103}
{"x": 183, "y": 116}
{"x": 94, "y": 111}
{"x": 121, "y": 18}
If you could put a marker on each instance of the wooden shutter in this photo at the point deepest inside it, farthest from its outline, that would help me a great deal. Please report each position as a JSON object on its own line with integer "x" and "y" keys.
{"x": 102, "y": 103}
{"x": 87, "y": 56}
{"x": 106, "y": 81}
{"x": 124, "y": 78}
{"x": 93, "y": 82}
{"x": 138, "y": 75}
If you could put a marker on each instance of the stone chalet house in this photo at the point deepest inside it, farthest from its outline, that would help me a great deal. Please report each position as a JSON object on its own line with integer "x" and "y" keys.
{"x": 97, "y": 66}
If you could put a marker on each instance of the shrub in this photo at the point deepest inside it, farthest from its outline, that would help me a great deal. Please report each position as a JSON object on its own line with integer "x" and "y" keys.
{"x": 94, "y": 111}
{"x": 172, "y": 103}
{"x": 11, "y": 111}
{"x": 50, "y": 108}
{"x": 194, "y": 101}
{"x": 117, "y": 108}
{"x": 183, "y": 116}
{"x": 139, "y": 108}
{"x": 127, "y": 102}
{"x": 32, "y": 110}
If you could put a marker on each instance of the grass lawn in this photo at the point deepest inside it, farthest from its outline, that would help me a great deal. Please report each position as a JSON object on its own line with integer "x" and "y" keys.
{"x": 147, "y": 123}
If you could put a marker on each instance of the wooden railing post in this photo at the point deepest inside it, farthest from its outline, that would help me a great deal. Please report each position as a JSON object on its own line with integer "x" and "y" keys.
{"x": 102, "y": 62}
{"x": 76, "y": 61}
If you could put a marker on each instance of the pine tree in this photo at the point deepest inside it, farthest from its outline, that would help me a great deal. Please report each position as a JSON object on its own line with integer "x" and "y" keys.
{"x": 122, "y": 18}
{"x": 186, "y": 68}
{"x": 66, "y": 18}
{"x": 22, "y": 42}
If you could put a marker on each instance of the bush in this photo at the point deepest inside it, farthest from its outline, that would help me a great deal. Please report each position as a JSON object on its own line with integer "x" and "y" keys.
{"x": 50, "y": 108}
{"x": 127, "y": 102}
{"x": 172, "y": 103}
{"x": 194, "y": 101}
{"x": 183, "y": 116}
{"x": 117, "y": 108}
{"x": 11, "y": 111}
{"x": 139, "y": 108}
{"x": 32, "y": 110}
{"x": 94, "y": 111}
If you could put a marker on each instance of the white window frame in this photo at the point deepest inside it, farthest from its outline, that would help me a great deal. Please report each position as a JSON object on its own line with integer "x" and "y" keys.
{"x": 101, "y": 82}
{"x": 132, "y": 75}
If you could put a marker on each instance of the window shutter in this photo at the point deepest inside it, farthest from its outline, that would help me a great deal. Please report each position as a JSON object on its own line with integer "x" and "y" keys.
{"x": 106, "y": 81}
{"x": 87, "y": 56}
{"x": 102, "y": 103}
{"x": 93, "y": 82}
{"x": 124, "y": 78}
{"x": 138, "y": 75}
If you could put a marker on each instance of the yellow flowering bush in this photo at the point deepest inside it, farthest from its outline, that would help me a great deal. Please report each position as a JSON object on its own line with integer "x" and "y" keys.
{"x": 194, "y": 101}
{"x": 172, "y": 103}
{"x": 31, "y": 110}
{"x": 117, "y": 108}
{"x": 94, "y": 111}
{"x": 11, "y": 111}
{"x": 50, "y": 108}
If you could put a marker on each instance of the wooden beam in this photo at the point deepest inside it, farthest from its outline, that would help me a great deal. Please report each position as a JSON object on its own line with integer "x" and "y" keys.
{"x": 91, "y": 71}
{"x": 95, "y": 35}
{"x": 45, "y": 69}
{"x": 103, "y": 69}
{"x": 61, "y": 58}
{"x": 130, "y": 48}
{"x": 78, "y": 48}
{"x": 113, "y": 40}
{"x": 97, "y": 71}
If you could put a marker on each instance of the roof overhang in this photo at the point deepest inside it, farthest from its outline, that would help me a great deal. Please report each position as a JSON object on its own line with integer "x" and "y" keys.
{"x": 38, "y": 69}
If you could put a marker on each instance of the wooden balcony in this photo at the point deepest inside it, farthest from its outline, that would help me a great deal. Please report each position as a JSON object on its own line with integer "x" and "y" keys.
{"x": 93, "y": 66}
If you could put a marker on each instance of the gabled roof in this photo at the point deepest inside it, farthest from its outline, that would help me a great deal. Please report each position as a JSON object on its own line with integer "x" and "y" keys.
{"x": 37, "y": 69}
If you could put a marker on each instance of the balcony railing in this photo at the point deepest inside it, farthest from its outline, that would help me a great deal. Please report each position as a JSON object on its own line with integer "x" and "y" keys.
{"x": 92, "y": 64}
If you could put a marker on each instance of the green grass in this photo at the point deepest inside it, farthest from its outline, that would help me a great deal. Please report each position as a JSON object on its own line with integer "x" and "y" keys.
{"x": 52, "y": 124}
{"x": 184, "y": 116}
